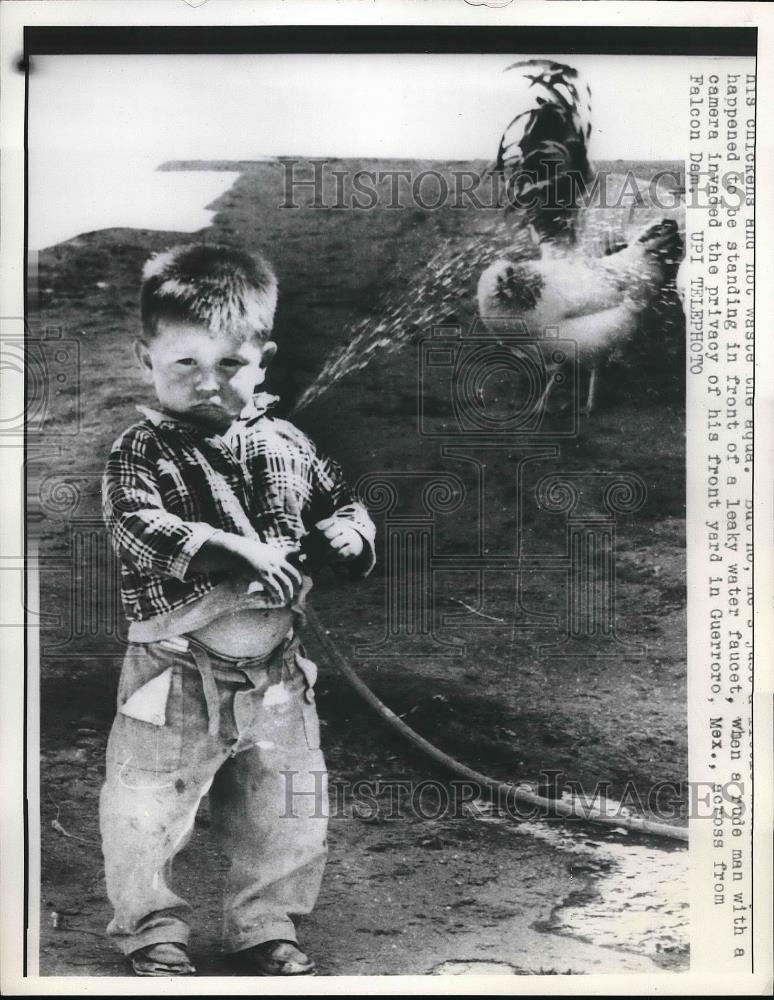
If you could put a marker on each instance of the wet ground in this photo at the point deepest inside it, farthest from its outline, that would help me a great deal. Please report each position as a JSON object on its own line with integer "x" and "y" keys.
{"x": 409, "y": 888}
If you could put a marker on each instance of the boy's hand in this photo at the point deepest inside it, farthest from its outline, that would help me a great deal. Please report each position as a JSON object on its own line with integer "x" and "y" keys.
{"x": 344, "y": 540}
{"x": 271, "y": 566}
{"x": 251, "y": 558}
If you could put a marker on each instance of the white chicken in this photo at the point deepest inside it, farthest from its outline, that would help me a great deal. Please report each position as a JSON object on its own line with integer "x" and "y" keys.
{"x": 595, "y": 301}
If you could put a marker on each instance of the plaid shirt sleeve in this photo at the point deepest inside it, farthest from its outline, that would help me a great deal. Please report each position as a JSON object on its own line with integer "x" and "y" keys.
{"x": 333, "y": 498}
{"x": 144, "y": 534}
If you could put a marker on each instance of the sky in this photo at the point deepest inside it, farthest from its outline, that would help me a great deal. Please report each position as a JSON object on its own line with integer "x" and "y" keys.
{"x": 436, "y": 106}
{"x": 100, "y": 125}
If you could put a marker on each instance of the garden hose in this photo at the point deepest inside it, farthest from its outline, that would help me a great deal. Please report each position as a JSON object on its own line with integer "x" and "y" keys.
{"x": 498, "y": 790}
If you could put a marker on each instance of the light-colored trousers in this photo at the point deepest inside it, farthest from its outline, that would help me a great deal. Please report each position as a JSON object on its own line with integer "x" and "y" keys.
{"x": 247, "y": 732}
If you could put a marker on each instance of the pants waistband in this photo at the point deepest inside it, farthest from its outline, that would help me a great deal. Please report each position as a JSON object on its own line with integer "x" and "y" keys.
{"x": 213, "y": 666}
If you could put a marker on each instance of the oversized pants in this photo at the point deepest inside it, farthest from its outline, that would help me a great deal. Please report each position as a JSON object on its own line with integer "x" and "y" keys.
{"x": 247, "y": 732}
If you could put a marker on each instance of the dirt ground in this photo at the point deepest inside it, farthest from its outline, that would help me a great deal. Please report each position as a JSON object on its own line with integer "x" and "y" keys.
{"x": 409, "y": 893}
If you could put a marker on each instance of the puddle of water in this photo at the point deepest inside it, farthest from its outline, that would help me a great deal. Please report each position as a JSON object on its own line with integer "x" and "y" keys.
{"x": 473, "y": 968}
{"x": 74, "y": 195}
{"x": 637, "y": 899}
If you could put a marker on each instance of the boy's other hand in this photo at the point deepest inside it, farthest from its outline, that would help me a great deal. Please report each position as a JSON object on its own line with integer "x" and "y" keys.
{"x": 345, "y": 542}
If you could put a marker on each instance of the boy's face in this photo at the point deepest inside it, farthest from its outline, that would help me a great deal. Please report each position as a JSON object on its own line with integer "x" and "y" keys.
{"x": 203, "y": 376}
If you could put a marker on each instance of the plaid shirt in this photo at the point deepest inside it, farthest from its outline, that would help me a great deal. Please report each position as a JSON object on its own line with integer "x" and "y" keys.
{"x": 169, "y": 486}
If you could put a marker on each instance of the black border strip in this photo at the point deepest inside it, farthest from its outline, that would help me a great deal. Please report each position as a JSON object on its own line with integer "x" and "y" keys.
{"x": 25, "y": 538}
{"x": 603, "y": 40}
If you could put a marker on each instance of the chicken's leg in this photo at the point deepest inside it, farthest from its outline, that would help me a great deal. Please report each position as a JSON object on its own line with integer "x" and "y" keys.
{"x": 592, "y": 392}
{"x": 540, "y": 406}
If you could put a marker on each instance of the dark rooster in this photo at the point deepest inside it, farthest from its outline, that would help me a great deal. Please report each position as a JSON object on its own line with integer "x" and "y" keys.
{"x": 595, "y": 297}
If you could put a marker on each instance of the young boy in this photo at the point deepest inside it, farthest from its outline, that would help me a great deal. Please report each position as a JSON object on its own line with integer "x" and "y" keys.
{"x": 207, "y": 501}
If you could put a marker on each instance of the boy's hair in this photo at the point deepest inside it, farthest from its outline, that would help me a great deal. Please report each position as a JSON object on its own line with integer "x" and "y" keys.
{"x": 226, "y": 289}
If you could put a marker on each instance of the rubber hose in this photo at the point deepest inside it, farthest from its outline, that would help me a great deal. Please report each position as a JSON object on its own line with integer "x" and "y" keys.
{"x": 497, "y": 789}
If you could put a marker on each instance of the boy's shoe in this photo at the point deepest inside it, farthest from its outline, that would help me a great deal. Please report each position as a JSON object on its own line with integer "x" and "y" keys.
{"x": 168, "y": 959}
{"x": 272, "y": 958}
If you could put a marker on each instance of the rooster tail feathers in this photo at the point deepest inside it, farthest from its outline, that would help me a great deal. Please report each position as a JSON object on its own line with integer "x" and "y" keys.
{"x": 543, "y": 153}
